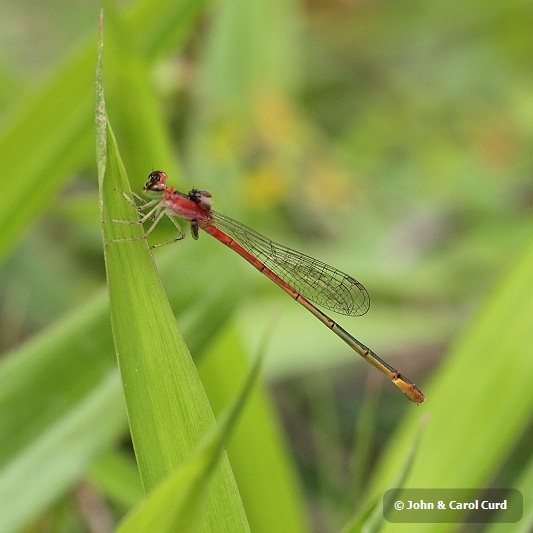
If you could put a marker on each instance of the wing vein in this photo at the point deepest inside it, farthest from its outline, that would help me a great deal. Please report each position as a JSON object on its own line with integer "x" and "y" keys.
{"x": 320, "y": 283}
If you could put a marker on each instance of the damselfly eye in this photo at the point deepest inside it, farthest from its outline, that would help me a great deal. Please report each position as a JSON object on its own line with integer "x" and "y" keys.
{"x": 156, "y": 181}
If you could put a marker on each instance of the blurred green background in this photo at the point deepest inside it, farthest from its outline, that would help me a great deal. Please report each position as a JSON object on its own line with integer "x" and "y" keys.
{"x": 390, "y": 139}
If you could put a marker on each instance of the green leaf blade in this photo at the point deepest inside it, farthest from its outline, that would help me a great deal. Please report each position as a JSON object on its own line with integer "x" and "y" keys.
{"x": 168, "y": 410}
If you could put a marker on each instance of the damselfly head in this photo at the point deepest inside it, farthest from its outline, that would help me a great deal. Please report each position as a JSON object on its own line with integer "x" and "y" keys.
{"x": 156, "y": 183}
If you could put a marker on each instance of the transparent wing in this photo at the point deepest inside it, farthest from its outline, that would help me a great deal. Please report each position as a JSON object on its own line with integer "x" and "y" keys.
{"x": 320, "y": 283}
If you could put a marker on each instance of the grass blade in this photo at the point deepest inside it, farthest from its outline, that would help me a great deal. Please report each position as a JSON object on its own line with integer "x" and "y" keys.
{"x": 176, "y": 503}
{"x": 167, "y": 407}
{"x": 481, "y": 399}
